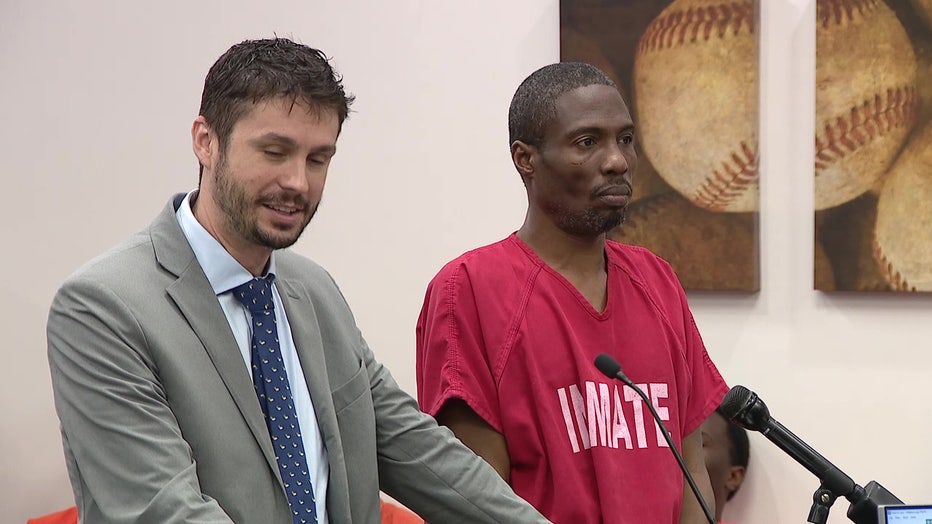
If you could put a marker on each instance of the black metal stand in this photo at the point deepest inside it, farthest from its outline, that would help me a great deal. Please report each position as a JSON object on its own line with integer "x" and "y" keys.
{"x": 864, "y": 503}
{"x": 822, "y": 501}
{"x": 747, "y": 409}
{"x": 864, "y": 509}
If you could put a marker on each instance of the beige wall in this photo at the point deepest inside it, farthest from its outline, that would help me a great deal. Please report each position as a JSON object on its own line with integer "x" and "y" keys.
{"x": 96, "y": 101}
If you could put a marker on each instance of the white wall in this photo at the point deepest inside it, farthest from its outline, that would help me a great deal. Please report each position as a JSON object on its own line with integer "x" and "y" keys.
{"x": 96, "y": 100}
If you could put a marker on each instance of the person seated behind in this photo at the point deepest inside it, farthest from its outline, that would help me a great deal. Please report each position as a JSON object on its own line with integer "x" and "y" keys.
{"x": 727, "y": 451}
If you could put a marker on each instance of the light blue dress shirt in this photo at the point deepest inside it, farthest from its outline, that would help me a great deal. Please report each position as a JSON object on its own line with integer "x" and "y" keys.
{"x": 224, "y": 274}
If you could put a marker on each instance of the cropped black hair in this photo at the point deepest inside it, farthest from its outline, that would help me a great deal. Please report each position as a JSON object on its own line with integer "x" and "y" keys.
{"x": 533, "y": 106}
{"x": 257, "y": 70}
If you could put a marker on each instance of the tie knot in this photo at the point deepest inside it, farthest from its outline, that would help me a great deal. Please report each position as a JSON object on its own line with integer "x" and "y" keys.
{"x": 256, "y": 295}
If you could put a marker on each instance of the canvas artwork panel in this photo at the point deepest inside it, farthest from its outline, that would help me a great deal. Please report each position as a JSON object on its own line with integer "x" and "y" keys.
{"x": 689, "y": 72}
{"x": 873, "y": 145}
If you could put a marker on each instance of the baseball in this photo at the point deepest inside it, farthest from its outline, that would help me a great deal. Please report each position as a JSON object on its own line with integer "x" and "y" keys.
{"x": 846, "y": 234}
{"x": 924, "y": 78}
{"x": 903, "y": 233}
{"x": 866, "y": 98}
{"x": 715, "y": 251}
{"x": 696, "y": 101}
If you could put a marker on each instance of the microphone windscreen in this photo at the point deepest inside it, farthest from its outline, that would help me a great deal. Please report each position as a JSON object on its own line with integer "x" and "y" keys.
{"x": 735, "y": 401}
{"x": 607, "y": 365}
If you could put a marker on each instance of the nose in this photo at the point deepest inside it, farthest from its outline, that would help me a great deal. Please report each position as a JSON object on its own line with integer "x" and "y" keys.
{"x": 295, "y": 177}
{"x": 615, "y": 160}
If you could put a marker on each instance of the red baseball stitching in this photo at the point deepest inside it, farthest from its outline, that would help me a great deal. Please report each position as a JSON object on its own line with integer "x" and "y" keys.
{"x": 897, "y": 281}
{"x": 695, "y": 23}
{"x": 874, "y": 117}
{"x": 838, "y": 11}
{"x": 729, "y": 182}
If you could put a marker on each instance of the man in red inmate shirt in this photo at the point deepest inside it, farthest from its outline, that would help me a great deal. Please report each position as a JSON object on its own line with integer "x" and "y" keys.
{"x": 508, "y": 332}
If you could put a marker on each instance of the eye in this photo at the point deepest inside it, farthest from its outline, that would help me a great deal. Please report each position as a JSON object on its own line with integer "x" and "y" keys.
{"x": 271, "y": 153}
{"x": 586, "y": 142}
{"x": 627, "y": 139}
{"x": 318, "y": 160}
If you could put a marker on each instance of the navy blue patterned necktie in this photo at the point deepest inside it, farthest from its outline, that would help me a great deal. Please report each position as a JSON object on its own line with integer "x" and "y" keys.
{"x": 271, "y": 381}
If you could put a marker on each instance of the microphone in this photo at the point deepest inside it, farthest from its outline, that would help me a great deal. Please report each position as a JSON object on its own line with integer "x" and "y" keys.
{"x": 612, "y": 369}
{"x": 747, "y": 409}
{"x": 744, "y": 407}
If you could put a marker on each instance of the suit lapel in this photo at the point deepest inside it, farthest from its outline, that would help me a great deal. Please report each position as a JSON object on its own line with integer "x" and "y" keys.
{"x": 196, "y": 300}
{"x": 305, "y": 330}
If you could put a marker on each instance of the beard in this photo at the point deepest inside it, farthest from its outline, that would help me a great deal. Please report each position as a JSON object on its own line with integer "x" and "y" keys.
{"x": 587, "y": 222}
{"x": 239, "y": 211}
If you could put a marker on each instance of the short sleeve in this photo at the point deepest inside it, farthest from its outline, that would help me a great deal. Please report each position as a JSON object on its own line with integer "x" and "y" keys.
{"x": 453, "y": 360}
{"x": 704, "y": 387}
{"x": 708, "y": 387}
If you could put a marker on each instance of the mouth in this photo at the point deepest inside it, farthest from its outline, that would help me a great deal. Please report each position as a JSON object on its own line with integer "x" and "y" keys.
{"x": 285, "y": 215}
{"x": 617, "y": 195}
{"x": 284, "y": 209}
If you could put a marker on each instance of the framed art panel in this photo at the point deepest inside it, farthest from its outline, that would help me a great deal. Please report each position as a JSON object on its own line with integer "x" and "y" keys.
{"x": 689, "y": 72}
{"x": 873, "y": 145}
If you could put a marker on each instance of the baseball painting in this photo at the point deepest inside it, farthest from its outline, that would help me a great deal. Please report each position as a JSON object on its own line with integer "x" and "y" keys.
{"x": 689, "y": 72}
{"x": 873, "y": 145}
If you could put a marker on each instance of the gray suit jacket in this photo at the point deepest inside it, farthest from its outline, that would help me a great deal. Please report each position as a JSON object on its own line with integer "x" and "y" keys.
{"x": 160, "y": 421}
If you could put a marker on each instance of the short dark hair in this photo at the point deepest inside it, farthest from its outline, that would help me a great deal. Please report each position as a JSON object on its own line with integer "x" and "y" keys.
{"x": 739, "y": 447}
{"x": 257, "y": 70}
{"x": 533, "y": 106}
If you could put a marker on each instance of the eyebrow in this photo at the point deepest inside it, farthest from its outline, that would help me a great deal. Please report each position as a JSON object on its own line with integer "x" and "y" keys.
{"x": 276, "y": 138}
{"x": 597, "y": 130}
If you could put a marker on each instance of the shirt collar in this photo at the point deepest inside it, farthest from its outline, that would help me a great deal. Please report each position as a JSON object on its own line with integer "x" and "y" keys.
{"x": 223, "y": 271}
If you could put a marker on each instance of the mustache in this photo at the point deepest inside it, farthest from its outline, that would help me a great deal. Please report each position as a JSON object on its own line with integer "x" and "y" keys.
{"x": 622, "y": 188}
{"x": 285, "y": 198}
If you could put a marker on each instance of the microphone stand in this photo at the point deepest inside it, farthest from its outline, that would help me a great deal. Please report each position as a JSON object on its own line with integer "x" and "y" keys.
{"x": 611, "y": 369}
{"x": 746, "y": 408}
{"x": 864, "y": 503}
{"x": 863, "y": 509}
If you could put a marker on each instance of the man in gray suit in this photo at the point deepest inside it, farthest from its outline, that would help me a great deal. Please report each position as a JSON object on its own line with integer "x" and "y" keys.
{"x": 154, "y": 352}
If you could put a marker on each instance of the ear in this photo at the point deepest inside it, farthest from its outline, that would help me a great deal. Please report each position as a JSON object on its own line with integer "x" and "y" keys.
{"x": 205, "y": 143}
{"x": 735, "y": 478}
{"x": 522, "y": 155}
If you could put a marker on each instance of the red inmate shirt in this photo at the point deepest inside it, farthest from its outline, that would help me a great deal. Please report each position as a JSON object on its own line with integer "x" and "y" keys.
{"x": 516, "y": 341}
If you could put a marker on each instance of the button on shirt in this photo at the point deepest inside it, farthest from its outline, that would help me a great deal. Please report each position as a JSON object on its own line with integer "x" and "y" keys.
{"x": 224, "y": 273}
